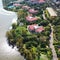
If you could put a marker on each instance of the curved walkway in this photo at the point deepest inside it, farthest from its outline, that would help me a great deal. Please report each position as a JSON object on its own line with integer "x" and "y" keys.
{"x": 6, "y": 52}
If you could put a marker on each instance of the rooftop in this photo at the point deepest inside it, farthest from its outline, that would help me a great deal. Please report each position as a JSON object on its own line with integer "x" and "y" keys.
{"x": 30, "y": 18}
{"x": 33, "y": 11}
{"x": 40, "y": 29}
{"x": 32, "y": 27}
{"x": 51, "y": 11}
{"x": 35, "y": 28}
{"x": 41, "y": 1}
{"x": 26, "y": 7}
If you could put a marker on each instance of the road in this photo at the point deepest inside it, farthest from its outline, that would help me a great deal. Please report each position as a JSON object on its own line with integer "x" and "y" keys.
{"x": 52, "y": 46}
{"x": 51, "y": 42}
{"x": 6, "y": 52}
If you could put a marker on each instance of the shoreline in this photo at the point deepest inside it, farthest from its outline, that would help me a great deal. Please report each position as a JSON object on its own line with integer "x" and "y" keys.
{"x": 5, "y": 12}
{"x": 6, "y": 19}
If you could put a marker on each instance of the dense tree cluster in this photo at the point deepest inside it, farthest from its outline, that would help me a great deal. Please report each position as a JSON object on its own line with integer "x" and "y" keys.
{"x": 30, "y": 45}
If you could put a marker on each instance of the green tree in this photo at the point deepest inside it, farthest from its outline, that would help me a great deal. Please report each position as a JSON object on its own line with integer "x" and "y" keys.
{"x": 44, "y": 23}
{"x": 21, "y": 14}
{"x": 9, "y": 35}
{"x": 14, "y": 26}
{"x": 19, "y": 42}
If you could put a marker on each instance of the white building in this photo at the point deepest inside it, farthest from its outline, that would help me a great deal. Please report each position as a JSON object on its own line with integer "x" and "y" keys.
{"x": 50, "y": 12}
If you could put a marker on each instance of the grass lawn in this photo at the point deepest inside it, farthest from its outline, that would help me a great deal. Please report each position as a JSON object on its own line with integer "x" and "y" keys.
{"x": 34, "y": 49}
{"x": 23, "y": 29}
{"x": 43, "y": 57}
{"x": 58, "y": 58}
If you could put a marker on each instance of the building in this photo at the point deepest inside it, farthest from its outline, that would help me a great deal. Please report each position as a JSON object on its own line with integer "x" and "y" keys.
{"x": 33, "y": 11}
{"x": 30, "y": 18}
{"x": 26, "y": 7}
{"x": 41, "y": 1}
{"x": 50, "y": 13}
{"x": 32, "y": 27}
{"x": 35, "y": 28}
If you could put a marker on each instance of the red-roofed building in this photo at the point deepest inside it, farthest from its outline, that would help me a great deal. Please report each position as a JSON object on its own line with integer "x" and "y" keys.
{"x": 26, "y": 7}
{"x": 33, "y": 11}
{"x": 41, "y": 1}
{"x": 31, "y": 19}
{"x": 40, "y": 29}
{"x": 32, "y": 27}
{"x": 35, "y": 28}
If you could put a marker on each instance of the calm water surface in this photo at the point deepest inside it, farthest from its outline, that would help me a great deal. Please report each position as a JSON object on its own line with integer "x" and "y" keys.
{"x": 6, "y": 52}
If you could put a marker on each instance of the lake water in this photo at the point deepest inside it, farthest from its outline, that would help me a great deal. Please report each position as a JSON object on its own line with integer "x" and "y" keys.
{"x": 6, "y": 52}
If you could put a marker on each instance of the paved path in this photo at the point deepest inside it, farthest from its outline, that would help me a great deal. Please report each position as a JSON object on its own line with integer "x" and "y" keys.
{"x": 44, "y": 16}
{"x": 52, "y": 46}
{"x": 6, "y": 52}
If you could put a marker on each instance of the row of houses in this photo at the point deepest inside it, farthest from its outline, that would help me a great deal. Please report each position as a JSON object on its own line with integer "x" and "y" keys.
{"x": 30, "y": 18}
{"x": 17, "y": 3}
{"x": 35, "y": 28}
{"x": 49, "y": 12}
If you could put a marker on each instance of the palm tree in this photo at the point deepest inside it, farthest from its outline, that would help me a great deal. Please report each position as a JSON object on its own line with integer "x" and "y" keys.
{"x": 9, "y": 35}
{"x": 29, "y": 56}
{"x": 21, "y": 14}
{"x": 19, "y": 42}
